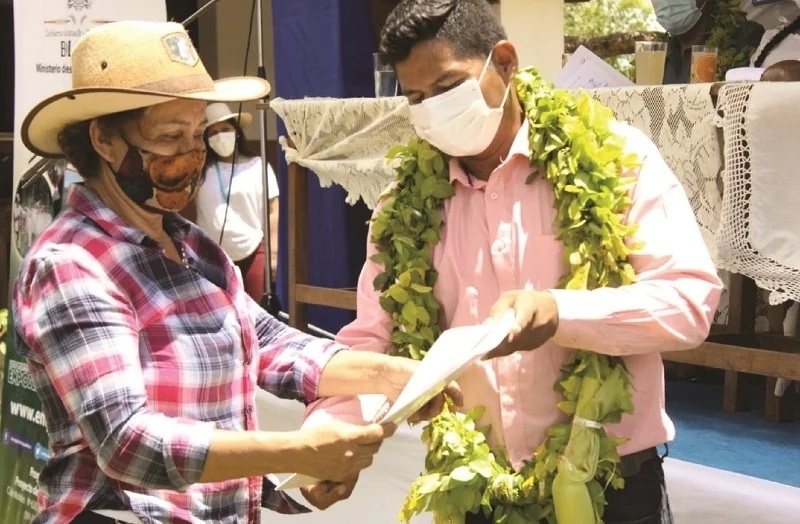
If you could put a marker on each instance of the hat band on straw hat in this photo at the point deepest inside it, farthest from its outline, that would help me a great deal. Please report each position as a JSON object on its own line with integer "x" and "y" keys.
{"x": 180, "y": 85}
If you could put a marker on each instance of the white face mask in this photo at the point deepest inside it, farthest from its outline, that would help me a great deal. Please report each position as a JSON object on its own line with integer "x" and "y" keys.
{"x": 223, "y": 143}
{"x": 677, "y": 17}
{"x": 459, "y": 122}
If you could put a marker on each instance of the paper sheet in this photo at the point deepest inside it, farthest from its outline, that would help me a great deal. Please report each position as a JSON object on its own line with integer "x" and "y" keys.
{"x": 454, "y": 351}
{"x": 586, "y": 70}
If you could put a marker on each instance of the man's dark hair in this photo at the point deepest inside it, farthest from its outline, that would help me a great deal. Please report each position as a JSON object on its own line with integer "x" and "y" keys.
{"x": 470, "y": 26}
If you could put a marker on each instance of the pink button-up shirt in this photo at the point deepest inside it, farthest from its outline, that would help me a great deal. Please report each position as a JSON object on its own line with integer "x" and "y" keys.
{"x": 499, "y": 236}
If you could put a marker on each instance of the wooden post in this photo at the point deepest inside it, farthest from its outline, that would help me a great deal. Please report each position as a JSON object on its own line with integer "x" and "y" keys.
{"x": 741, "y": 319}
{"x": 778, "y": 409}
{"x": 298, "y": 244}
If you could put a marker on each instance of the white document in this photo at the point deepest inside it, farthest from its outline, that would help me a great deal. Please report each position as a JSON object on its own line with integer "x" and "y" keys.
{"x": 586, "y": 70}
{"x": 454, "y": 351}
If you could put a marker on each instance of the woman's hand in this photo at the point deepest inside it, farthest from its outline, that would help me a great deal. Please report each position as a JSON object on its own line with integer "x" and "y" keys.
{"x": 338, "y": 451}
{"x": 396, "y": 374}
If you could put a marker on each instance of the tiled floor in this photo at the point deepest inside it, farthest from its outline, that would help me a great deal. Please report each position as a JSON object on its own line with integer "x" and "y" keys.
{"x": 740, "y": 442}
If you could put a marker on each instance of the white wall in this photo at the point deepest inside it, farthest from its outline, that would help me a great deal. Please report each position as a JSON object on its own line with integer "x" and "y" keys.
{"x": 223, "y": 39}
{"x": 537, "y": 29}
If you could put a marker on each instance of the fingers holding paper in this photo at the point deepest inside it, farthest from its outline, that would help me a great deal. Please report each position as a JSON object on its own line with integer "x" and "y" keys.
{"x": 396, "y": 377}
{"x": 325, "y": 494}
{"x": 339, "y": 451}
{"x": 436, "y": 404}
{"x": 535, "y": 320}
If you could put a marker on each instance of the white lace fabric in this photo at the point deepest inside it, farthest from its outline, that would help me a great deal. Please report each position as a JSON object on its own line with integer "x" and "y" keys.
{"x": 345, "y": 141}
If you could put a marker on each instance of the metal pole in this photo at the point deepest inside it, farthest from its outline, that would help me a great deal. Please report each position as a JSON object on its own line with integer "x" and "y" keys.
{"x": 269, "y": 301}
{"x": 199, "y": 12}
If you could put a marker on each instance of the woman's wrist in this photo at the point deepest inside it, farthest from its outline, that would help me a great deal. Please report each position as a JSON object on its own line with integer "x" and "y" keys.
{"x": 355, "y": 373}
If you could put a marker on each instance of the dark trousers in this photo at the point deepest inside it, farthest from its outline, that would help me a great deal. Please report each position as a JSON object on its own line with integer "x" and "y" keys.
{"x": 89, "y": 517}
{"x": 643, "y": 500}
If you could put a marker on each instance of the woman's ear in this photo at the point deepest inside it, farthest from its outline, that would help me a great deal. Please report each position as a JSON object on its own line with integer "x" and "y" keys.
{"x": 101, "y": 141}
{"x": 505, "y": 59}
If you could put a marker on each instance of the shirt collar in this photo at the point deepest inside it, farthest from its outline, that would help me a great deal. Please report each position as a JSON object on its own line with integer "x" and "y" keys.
{"x": 519, "y": 147}
{"x": 85, "y": 202}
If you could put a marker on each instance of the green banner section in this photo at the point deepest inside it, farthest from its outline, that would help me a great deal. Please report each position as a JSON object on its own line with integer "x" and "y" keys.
{"x": 24, "y": 447}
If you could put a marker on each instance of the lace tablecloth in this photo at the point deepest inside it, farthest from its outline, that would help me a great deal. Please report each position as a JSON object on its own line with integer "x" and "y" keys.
{"x": 345, "y": 142}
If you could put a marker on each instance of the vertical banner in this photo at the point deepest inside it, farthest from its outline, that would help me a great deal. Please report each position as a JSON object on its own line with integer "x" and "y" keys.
{"x": 45, "y": 32}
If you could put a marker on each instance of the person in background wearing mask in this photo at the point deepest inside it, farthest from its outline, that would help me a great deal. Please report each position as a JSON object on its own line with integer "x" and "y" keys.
{"x": 232, "y": 174}
{"x": 499, "y": 251}
{"x": 689, "y": 23}
{"x": 143, "y": 346}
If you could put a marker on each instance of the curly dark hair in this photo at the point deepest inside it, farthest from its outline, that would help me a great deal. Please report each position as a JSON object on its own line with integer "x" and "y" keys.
{"x": 76, "y": 143}
{"x": 470, "y": 26}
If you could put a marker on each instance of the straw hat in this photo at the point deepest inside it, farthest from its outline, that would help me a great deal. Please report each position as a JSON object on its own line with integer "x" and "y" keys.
{"x": 129, "y": 65}
{"x": 220, "y": 112}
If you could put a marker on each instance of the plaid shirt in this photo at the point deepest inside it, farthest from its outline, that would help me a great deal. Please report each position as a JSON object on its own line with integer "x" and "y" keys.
{"x": 137, "y": 359}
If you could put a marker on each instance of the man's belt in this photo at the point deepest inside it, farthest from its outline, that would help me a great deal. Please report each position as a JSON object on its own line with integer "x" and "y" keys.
{"x": 631, "y": 464}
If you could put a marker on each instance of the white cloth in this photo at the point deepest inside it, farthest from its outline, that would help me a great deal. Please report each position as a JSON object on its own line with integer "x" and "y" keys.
{"x": 770, "y": 13}
{"x": 788, "y": 49}
{"x": 345, "y": 141}
{"x": 744, "y": 74}
{"x": 759, "y": 228}
{"x": 244, "y": 227}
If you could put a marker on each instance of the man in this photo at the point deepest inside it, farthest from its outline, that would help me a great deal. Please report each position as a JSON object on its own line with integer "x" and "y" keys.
{"x": 689, "y": 23}
{"x": 499, "y": 251}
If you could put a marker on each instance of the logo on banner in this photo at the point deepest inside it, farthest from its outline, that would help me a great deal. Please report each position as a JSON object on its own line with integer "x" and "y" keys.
{"x": 79, "y": 5}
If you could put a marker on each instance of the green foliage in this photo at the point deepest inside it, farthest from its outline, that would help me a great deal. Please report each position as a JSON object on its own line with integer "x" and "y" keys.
{"x": 573, "y": 147}
{"x": 605, "y": 17}
{"x": 728, "y": 20}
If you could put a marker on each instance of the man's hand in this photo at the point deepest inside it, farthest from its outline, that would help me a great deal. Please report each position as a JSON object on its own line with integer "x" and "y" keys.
{"x": 339, "y": 451}
{"x": 326, "y": 493}
{"x": 536, "y": 320}
{"x": 395, "y": 377}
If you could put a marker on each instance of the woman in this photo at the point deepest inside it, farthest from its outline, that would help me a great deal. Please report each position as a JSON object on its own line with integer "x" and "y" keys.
{"x": 230, "y": 202}
{"x": 143, "y": 346}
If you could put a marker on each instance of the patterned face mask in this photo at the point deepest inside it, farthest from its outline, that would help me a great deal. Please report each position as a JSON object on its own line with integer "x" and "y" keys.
{"x": 157, "y": 182}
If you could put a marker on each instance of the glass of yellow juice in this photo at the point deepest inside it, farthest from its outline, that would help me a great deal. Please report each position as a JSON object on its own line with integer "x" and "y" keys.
{"x": 650, "y": 60}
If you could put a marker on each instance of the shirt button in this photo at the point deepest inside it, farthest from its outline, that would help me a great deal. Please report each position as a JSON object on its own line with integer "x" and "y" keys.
{"x": 249, "y": 409}
{"x": 493, "y": 196}
{"x": 499, "y": 247}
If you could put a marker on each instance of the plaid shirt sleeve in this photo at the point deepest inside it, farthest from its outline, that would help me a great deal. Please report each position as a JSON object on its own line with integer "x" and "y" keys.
{"x": 83, "y": 331}
{"x": 290, "y": 362}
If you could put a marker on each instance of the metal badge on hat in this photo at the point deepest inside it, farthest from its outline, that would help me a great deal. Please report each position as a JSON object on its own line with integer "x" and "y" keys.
{"x": 180, "y": 49}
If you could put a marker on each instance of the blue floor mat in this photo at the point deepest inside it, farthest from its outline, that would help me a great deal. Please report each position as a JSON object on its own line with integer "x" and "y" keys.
{"x": 741, "y": 442}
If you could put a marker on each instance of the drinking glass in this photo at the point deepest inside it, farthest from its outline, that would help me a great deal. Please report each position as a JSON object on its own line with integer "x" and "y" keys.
{"x": 385, "y": 78}
{"x": 650, "y": 60}
{"x": 704, "y": 64}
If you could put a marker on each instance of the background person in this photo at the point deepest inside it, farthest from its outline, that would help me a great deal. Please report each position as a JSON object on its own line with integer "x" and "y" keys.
{"x": 243, "y": 220}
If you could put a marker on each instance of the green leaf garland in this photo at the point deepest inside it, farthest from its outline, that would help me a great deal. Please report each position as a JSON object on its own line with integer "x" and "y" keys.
{"x": 573, "y": 147}
{"x": 727, "y": 18}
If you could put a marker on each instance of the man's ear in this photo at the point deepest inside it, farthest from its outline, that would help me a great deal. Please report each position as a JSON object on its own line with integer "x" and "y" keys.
{"x": 101, "y": 141}
{"x": 505, "y": 59}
